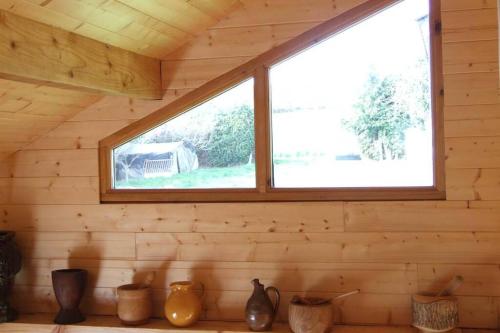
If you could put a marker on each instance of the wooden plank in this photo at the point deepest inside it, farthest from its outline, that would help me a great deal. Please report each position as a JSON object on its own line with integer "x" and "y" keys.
{"x": 451, "y": 247}
{"x": 122, "y": 25}
{"x": 478, "y": 312}
{"x": 419, "y": 216}
{"x": 240, "y": 42}
{"x": 122, "y": 108}
{"x": 473, "y": 152}
{"x": 5, "y": 189}
{"x": 99, "y": 324}
{"x": 472, "y": 128}
{"x": 469, "y": 112}
{"x": 189, "y": 74}
{"x": 473, "y": 184}
{"x": 471, "y": 89}
{"x": 70, "y": 245}
{"x": 76, "y": 135}
{"x": 370, "y": 278}
{"x": 5, "y": 165}
{"x": 367, "y": 308}
{"x": 285, "y": 12}
{"x": 467, "y": 25}
{"x": 37, "y": 53}
{"x": 55, "y": 163}
{"x": 54, "y": 190}
{"x": 479, "y": 280}
{"x": 229, "y": 305}
{"x": 470, "y": 57}
{"x": 468, "y": 4}
{"x": 240, "y": 218}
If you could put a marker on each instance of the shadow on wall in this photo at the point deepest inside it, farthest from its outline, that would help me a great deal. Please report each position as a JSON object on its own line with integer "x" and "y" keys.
{"x": 95, "y": 300}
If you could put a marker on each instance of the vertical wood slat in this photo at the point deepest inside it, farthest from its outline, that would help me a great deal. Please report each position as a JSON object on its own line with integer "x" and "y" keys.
{"x": 262, "y": 129}
{"x": 437, "y": 90}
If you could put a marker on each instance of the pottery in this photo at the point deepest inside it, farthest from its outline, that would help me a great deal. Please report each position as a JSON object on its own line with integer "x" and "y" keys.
{"x": 310, "y": 315}
{"x": 434, "y": 313}
{"x": 260, "y": 311}
{"x": 10, "y": 265}
{"x": 69, "y": 286}
{"x": 134, "y": 304}
{"x": 183, "y": 306}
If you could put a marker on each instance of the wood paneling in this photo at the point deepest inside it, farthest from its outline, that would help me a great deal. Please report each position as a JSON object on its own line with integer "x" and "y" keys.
{"x": 388, "y": 249}
{"x": 38, "y": 53}
{"x": 256, "y": 217}
{"x": 28, "y": 111}
{"x": 393, "y": 247}
{"x": 152, "y": 28}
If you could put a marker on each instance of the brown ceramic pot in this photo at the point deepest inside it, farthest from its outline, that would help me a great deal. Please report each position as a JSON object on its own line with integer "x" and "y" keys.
{"x": 134, "y": 304}
{"x": 69, "y": 286}
{"x": 315, "y": 316}
{"x": 260, "y": 311}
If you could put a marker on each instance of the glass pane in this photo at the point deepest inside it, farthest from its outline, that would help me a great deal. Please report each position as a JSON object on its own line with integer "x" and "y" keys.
{"x": 209, "y": 146}
{"x": 354, "y": 111}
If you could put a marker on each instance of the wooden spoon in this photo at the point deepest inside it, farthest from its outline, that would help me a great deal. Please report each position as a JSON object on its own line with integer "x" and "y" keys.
{"x": 347, "y": 294}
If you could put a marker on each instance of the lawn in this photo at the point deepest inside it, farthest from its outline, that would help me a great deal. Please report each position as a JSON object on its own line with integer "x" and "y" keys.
{"x": 230, "y": 177}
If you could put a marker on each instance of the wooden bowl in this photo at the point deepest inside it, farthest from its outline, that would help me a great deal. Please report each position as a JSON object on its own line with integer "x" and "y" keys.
{"x": 434, "y": 313}
{"x": 310, "y": 318}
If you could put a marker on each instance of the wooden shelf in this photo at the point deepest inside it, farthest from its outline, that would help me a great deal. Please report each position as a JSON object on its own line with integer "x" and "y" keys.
{"x": 42, "y": 323}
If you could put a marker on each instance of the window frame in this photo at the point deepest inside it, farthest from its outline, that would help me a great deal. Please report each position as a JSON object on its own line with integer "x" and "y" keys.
{"x": 258, "y": 68}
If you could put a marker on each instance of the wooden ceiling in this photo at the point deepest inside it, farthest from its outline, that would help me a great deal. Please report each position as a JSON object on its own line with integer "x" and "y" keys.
{"x": 152, "y": 28}
{"x": 149, "y": 27}
{"x": 28, "y": 111}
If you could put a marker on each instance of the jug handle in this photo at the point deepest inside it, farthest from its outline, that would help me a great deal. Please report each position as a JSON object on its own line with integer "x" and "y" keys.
{"x": 277, "y": 304}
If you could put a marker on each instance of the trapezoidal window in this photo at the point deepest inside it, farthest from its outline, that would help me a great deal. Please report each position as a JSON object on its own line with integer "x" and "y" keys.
{"x": 209, "y": 146}
{"x": 350, "y": 110}
{"x": 355, "y": 110}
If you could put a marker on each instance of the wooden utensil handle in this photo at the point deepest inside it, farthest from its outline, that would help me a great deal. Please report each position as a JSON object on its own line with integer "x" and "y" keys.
{"x": 451, "y": 286}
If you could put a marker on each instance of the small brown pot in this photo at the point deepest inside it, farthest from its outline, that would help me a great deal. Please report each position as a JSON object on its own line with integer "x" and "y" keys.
{"x": 69, "y": 285}
{"x": 310, "y": 318}
{"x": 134, "y": 304}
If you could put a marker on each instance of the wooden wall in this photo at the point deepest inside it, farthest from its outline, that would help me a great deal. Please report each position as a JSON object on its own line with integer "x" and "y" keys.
{"x": 49, "y": 194}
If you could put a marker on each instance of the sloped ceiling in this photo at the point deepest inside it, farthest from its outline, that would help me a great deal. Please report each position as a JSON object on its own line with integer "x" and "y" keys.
{"x": 149, "y": 27}
{"x": 153, "y": 28}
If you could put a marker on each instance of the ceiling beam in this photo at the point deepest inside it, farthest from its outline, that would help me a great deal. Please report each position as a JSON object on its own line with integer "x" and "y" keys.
{"x": 38, "y": 53}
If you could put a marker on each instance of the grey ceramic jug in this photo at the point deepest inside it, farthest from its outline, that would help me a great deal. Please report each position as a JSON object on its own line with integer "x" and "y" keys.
{"x": 260, "y": 311}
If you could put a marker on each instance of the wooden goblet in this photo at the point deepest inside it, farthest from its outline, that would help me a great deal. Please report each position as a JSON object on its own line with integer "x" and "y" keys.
{"x": 69, "y": 286}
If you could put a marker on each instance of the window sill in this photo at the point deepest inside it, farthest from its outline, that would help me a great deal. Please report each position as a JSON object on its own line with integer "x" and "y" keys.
{"x": 108, "y": 324}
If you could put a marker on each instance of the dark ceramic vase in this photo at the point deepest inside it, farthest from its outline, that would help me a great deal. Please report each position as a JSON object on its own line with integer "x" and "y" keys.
{"x": 10, "y": 265}
{"x": 69, "y": 286}
{"x": 260, "y": 311}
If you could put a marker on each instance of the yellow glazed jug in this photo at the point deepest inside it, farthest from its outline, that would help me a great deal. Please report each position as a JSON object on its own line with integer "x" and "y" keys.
{"x": 183, "y": 305}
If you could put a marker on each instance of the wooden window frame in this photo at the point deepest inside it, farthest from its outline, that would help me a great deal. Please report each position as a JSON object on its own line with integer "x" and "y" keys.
{"x": 258, "y": 68}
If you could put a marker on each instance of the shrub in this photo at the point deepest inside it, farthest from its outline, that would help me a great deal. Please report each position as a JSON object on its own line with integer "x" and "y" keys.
{"x": 232, "y": 141}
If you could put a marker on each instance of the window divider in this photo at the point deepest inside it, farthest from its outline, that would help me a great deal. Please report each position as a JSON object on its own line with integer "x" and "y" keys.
{"x": 437, "y": 94}
{"x": 262, "y": 129}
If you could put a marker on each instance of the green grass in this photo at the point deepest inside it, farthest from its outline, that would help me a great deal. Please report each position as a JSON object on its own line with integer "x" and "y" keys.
{"x": 230, "y": 177}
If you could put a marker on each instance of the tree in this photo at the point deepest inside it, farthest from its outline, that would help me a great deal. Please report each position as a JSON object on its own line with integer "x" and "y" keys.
{"x": 232, "y": 140}
{"x": 381, "y": 120}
